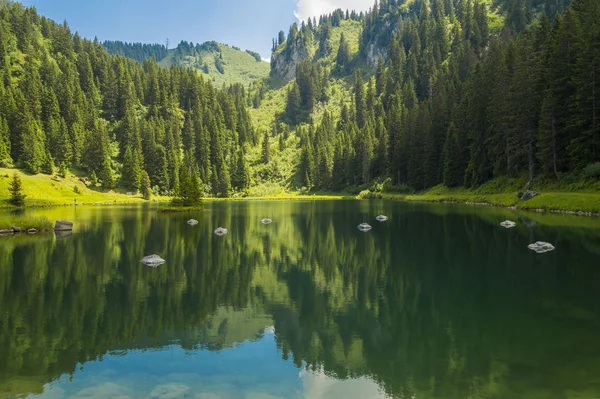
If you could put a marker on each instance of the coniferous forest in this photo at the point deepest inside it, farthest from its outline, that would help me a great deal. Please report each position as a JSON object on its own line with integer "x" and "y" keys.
{"x": 453, "y": 92}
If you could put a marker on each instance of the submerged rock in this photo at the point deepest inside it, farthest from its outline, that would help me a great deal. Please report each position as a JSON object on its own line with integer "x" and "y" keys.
{"x": 153, "y": 260}
{"x": 266, "y": 221}
{"x": 364, "y": 227}
{"x": 529, "y": 195}
{"x": 508, "y": 224}
{"x": 541, "y": 247}
{"x": 220, "y": 231}
{"x": 4, "y": 232}
{"x": 528, "y": 222}
{"x": 382, "y": 218}
{"x": 16, "y": 229}
{"x": 32, "y": 231}
{"x": 192, "y": 222}
{"x": 63, "y": 225}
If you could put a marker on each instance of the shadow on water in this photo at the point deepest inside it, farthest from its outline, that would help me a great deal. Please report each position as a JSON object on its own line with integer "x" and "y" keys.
{"x": 437, "y": 302}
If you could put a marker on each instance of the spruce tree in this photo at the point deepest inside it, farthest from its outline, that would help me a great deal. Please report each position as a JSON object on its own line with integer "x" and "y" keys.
{"x": 266, "y": 150}
{"x": 15, "y": 188}
{"x": 146, "y": 190}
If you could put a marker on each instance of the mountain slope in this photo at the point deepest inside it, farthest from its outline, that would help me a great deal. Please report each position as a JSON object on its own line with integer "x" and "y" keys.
{"x": 221, "y": 63}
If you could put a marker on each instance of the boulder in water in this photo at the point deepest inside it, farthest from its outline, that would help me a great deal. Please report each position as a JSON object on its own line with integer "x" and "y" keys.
{"x": 529, "y": 195}
{"x": 220, "y": 231}
{"x": 266, "y": 221}
{"x": 381, "y": 218}
{"x": 508, "y": 224}
{"x": 541, "y": 247}
{"x": 153, "y": 260}
{"x": 364, "y": 227}
{"x": 63, "y": 225}
{"x": 16, "y": 229}
{"x": 32, "y": 231}
{"x": 192, "y": 222}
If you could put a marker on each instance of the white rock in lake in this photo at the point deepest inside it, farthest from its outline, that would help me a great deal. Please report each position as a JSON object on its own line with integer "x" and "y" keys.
{"x": 508, "y": 224}
{"x": 364, "y": 227}
{"x": 192, "y": 222}
{"x": 541, "y": 247}
{"x": 153, "y": 260}
{"x": 381, "y": 218}
{"x": 266, "y": 221}
{"x": 220, "y": 231}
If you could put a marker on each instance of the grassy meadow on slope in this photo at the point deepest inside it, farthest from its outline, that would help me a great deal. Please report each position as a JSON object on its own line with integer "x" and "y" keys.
{"x": 222, "y": 64}
{"x": 46, "y": 190}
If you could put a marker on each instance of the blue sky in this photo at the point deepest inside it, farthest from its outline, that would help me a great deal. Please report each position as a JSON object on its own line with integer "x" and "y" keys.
{"x": 243, "y": 23}
{"x": 249, "y": 24}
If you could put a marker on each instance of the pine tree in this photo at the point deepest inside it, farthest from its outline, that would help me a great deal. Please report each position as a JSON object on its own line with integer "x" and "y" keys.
{"x": 15, "y": 188}
{"x": 343, "y": 56}
{"x": 5, "y": 158}
{"x": 453, "y": 167}
{"x": 266, "y": 150}
{"x": 132, "y": 170}
{"x": 146, "y": 190}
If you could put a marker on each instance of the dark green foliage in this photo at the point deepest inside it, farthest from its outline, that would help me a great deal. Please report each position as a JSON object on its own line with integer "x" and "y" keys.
{"x": 266, "y": 149}
{"x": 343, "y": 55}
{"x": 15, "y": 188}
{"x": 93, "y": 179}
{"x": 254, "y": 54}
{"x": 189, "y": 193}
{"x": 137, "y": 51}
{"x": 146, "y": 190}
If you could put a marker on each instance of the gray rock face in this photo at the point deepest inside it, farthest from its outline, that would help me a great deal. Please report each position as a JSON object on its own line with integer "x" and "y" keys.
{"x": 284, "y": 64}
{"x": 529, "y": 195}
{"x": 63, "y": 225}
{"x": 364, "y": 227}
{"x": 153, "y": 260}
{"x": 541, "y": 247}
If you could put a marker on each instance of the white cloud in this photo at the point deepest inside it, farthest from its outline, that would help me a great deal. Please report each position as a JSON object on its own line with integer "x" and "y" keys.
{"x": 317, "y": 385}
{"x": 315, "y": 8}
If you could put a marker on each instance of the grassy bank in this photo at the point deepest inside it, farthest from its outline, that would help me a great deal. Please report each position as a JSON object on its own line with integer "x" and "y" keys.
{"x": 45, "y": 190}
{"x": 585, "y": 202}
{"x": 7, "y": 222}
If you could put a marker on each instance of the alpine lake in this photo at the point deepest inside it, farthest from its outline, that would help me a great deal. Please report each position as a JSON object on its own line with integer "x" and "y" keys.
{"x": 438, "y": 302}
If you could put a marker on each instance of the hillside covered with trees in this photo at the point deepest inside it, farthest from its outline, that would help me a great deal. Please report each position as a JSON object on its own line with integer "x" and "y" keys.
{"x": 444, "y": 92}
{"x": 220, "y": 63}
{"x": 66, "y": 103}
{"x": 407, "y": 96}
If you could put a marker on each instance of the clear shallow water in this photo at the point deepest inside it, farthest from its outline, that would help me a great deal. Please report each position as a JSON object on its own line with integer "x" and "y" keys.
{"x": 438, "y": 302}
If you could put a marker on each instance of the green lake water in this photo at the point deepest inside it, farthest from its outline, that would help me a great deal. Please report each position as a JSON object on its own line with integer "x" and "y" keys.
{"x": 440, "y": 302}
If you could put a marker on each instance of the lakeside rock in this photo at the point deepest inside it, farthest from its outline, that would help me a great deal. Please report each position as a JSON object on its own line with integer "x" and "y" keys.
{"x": 192, "y": 222}
{"x": 381, "y": 218}
{"x": 529, "y": 195}
{"x": 266, "y": 221}
{"x": 32, "y": 231}
{"x": 541, "y": 247}
{"x": 5, "y": 232}
{"x": 364, "y": 227}
{"x": 153, "y": 260}
{"x": 220, "y": 231}
{"x": 63, "y": 225}
{"x": 16, "y": 229}
{"x": 508, "y": 224}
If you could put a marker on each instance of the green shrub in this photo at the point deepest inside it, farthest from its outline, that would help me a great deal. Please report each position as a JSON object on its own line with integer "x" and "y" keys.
{"x": 366, "y": 194}
{"x": 592, "y": 171}
{"x": 76, "y": 190}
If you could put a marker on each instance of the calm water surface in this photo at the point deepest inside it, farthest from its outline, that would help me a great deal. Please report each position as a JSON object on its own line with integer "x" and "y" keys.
{"x": 438, "y": 302}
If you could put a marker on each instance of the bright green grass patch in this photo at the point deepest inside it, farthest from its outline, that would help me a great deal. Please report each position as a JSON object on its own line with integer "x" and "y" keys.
{"x": 548, "y": 201}
{"x": 45, "y": 190}
{"x": 238, "y": 65}
{"x": 25, "y": 222}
